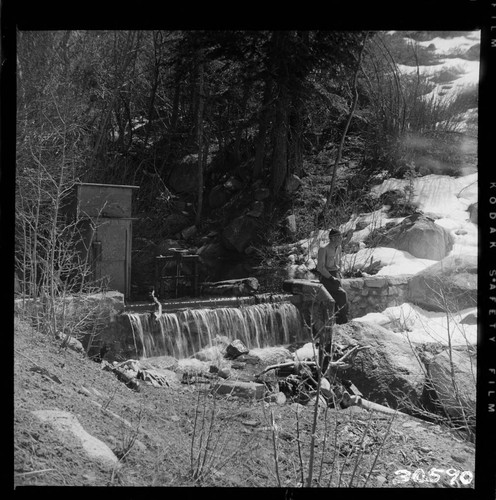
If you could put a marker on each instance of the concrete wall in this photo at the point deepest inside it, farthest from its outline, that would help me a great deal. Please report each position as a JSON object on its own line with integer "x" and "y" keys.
{"x": 375, "y": 293}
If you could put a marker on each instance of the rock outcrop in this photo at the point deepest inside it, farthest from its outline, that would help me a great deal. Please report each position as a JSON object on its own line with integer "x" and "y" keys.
{"x": 239, "y": 233}
{"x": 67, "y": 423}
{"x": 420, "y": 236}
{"x": 388, "y": 371}
{"x": 453, "y": 377}
{"x": 473, "y": 210}
{"x": 449, "y": 284}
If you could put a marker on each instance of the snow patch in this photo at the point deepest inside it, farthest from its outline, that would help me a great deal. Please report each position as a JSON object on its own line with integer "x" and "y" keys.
{"x": 414, "y": 324}
{"x": 394, "y": 262}
{"x": 438, "y": 194}
{"x": 448, "y": 46}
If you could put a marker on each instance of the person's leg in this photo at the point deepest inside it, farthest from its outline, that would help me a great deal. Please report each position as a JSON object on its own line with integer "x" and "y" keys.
{"x": 333, "y": 286}
{"x": 341, "y": 299}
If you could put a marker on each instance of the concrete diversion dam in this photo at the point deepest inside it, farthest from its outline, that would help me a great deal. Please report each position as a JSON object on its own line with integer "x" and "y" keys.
{"x": 184, "y": 327}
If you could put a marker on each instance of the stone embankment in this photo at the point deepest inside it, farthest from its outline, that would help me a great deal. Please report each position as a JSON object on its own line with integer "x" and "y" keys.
{"x": 375, "y": 293}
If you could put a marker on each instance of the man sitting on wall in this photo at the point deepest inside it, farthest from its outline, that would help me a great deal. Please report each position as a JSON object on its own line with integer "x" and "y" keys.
{"x": 329, "y": 268}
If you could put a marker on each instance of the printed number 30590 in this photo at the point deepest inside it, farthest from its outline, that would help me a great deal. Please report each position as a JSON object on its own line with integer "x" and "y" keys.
{"x": 433, "y": 476}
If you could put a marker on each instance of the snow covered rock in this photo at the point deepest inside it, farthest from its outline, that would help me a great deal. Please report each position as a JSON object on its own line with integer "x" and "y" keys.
{"x": 308, "y": 352}
{"x": 420, "y": 236}
{"x": 449, "y": 284}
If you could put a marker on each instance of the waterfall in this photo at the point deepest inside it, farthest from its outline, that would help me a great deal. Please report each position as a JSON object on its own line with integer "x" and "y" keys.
{"x": 182, "y": 333}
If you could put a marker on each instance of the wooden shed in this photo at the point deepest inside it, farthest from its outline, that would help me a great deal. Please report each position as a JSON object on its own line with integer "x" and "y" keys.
{"x": 104, "y": 214}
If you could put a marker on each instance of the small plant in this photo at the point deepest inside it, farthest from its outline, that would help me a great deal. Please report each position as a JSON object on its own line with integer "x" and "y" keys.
{"x": 209, "y": 446}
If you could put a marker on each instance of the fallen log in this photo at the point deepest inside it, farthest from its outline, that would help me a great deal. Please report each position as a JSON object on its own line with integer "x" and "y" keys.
{"x": 236, "y": 287}
{"x": 369, "y": 405}
{"x": 342, "y": 363}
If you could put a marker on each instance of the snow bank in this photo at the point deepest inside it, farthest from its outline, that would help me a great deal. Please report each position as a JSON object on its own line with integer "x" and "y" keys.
{"x": 394, "y": 261}
{"x": 447, "y": 198}
{"x": 417, "y": 325}
{"x": 448, "y": 46}
{"x": 444, "y": 197}
{"x": 440, "y": 195}
{"x": 465, "y": 72}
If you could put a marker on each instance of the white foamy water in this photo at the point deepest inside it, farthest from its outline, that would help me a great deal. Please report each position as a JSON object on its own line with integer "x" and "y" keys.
{"x": 183, "y": 333}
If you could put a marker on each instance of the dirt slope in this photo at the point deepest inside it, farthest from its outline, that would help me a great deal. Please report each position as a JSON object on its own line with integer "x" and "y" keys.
{"x": 155, "y": 444}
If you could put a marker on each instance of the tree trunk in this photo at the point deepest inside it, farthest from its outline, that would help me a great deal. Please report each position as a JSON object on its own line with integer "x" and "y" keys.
{"x": 345, "y": 131}
{"x": 262, "y": 129}
{"x": 296, "y": 127}
{"x": 283, "y": 102}
{"x": 280, "y": 156}
{"x": 173, "y": 124}
{"x": 240, "y": 126}
{"x": 153, "y": 90}
{"x": 201, "y": 102}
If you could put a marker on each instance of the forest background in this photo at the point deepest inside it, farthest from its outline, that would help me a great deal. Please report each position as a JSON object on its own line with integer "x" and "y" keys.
{"x": 217, "y": 128}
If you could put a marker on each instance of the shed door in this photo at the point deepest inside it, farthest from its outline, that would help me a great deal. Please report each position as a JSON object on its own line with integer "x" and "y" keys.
{"x": 113, "y": 237}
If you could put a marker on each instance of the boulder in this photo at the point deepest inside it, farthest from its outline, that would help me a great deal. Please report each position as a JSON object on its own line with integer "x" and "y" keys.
{"x": 159, "y": 362}
{"x": 293, "y": 182}
{"x": 183, "y": 177}
{"x": 455, "y": 389}
{"x": 159, "y": 377}
{"x": 256, "y": 209}
{"x": 448, "y": 284}
{"x": 469, "y": 319}
{"x": 262, "y": 193}
{"x": 189, "y": 232}
{"x": 245, "y": 390}
{"x": 67, "y": 424}
{"x": 218, "y": 196}
{"x": 213, "y": 257}
{"x": 71, "y": 343}
{"x": 270, "y": 355}
{"x": 239, "y": 233}
{"x": 235, "y": 349}
{"x": 211, "y": 353}
{"x": 386, "y": 371}
{"x": 233, "y": 184}
{"x": 308, "y": 352}
{"x": 473, "y": 210}
{"x": 420, "y": 236}
{"x": 99, "y": 307}
{"x": 290, "y": 224}
{"x": 192, "y": 366}
{"x": 175, "y": 223}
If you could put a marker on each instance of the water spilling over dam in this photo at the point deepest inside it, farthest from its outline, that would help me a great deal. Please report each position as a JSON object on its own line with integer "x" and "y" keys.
{"x": 182, "y": 333}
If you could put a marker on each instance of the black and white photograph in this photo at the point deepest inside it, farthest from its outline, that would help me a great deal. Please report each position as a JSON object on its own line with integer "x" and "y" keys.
{"x": 247, "y": 258}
